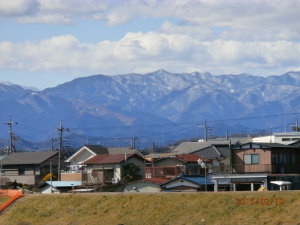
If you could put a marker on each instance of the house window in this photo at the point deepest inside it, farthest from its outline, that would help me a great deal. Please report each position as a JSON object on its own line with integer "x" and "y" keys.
{"x": 251, "y": 159}
{"x": 280, "y": 158}
{"x": 275, "y": 158}
{"x": 21, "y": 171}
{"x": 292, "y": 158}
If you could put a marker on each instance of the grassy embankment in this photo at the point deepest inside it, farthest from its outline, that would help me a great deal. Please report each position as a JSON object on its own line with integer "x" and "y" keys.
{"x": 161, "y": 209}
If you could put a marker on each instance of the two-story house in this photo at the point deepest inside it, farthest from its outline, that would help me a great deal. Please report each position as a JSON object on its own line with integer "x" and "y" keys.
{"x": 175, "y": 165}
{"x": 256, "y": 164}
{"x": 28, "y": 167}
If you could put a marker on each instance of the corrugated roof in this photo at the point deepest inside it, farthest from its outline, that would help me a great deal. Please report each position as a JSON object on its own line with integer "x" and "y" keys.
{"x": 108, "y": 159}
{"x": 25, "y": 158}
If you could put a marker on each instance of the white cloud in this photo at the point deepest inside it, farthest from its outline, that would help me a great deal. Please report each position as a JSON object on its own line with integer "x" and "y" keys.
{"x": 139, "y": 52}
{"x": 18, "y": 8}
{"x": 248, "y": 16}
{"x": 217, "y": 36}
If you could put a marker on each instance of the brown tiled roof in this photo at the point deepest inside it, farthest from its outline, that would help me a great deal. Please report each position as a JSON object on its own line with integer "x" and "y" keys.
{"x": 190, "y": 158}
{"x": 108, "y": 159}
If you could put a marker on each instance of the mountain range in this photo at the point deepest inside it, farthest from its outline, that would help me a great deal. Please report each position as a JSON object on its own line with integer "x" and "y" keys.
{"x": 159, "y": 107}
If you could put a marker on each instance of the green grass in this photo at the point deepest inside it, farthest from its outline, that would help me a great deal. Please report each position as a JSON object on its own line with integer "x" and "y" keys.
{"x": 161, "y": 209}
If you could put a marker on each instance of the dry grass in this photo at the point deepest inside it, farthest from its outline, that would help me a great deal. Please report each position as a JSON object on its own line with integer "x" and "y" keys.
{"x": 161, "y": 209}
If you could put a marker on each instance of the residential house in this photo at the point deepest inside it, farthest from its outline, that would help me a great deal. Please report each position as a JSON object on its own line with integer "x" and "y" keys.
{"x": 77, "y": 170}
{"x": 174, "y": 165}
{"x": 219, "y": 155}
{"x": 146, "y": 185}
{"x": 188, "y": 183}
{"x": 28, "y": 167}
{"x": 107, "y": 169}
{"x": 256, "y": 164}
{"x": 86, "y": 152}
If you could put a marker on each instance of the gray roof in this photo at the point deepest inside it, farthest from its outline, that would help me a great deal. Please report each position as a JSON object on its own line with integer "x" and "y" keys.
{"x": 127, "y": 150}
{"x": 214, "y": 151}
{"x": 97, "y": 149}
{"x": 295, "y": 144}
{"x": 26, "y": 158}
{"x": 189, "y": 147}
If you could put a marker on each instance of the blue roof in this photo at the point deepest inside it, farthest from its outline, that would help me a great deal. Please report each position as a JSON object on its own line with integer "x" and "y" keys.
{"x": 195, "y": 179}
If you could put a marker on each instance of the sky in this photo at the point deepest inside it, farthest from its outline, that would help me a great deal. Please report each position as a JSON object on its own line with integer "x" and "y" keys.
{"x": 44, "y": 43}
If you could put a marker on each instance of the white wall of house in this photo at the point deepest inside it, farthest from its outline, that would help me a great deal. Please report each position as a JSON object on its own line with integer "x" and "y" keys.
{"x": 281, "y": 138}
{"x": 118, "y": 171}
{"x": 81, "y": 157}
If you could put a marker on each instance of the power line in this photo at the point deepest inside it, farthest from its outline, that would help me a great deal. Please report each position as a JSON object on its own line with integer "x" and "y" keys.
{"x": 12, "y": 136}
{"x": 60, "y": 131}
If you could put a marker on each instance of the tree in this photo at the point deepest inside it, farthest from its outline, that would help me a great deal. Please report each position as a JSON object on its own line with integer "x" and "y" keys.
{"x": 131, "y": 173}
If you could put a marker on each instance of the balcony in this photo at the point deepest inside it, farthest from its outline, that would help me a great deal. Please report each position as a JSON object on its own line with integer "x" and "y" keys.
{"x": 266, "y": 168}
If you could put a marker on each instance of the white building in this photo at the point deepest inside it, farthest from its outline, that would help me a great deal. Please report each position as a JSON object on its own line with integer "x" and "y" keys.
{"x": 281, "y": 138}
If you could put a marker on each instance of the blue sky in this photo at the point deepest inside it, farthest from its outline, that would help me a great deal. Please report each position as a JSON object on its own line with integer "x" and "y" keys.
{"x": 44, "y": 43}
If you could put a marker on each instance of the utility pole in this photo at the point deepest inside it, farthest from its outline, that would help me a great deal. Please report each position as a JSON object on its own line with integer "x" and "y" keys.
{"x": 133, "y": 141}
{"x": 60, "y": 132}
{"x": 206, "y": 129}
{"x": 52, "y": 142}
{"x": 153, "y": 147}
{"x": 11, "y": 136}
{"x": 51, "y": 176}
